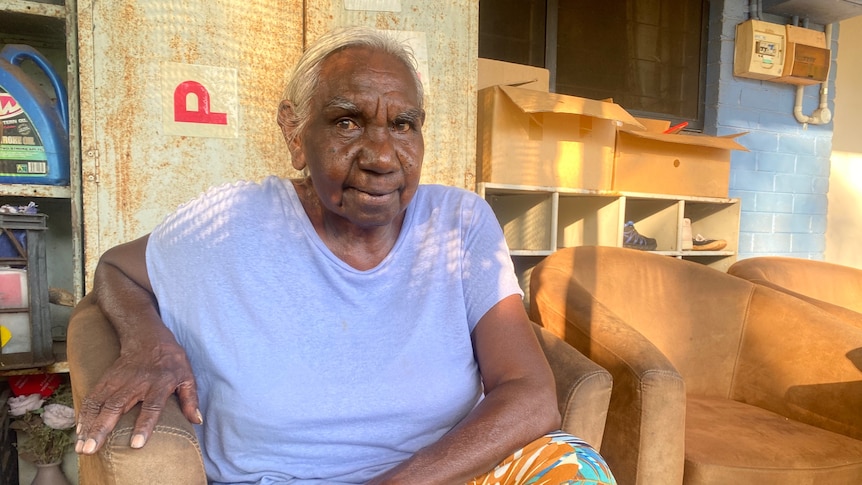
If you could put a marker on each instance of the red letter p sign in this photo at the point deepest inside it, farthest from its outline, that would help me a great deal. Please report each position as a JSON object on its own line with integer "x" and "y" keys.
{"x": 200, "y": 115}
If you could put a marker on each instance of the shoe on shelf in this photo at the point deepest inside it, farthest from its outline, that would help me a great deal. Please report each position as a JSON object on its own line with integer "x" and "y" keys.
{"x": 700, "y": 243}
{"x": 686, "y": 234}
{"x": 633, "y": 240}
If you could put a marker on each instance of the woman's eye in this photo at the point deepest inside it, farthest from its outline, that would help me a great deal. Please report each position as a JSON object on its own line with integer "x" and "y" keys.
{"x": 345, "y": 124}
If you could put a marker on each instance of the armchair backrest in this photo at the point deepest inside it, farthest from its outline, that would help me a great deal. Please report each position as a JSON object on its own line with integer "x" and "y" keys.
{"x": 794, "y": 360}
{"x": 693, "y": 314}
{"x": 813, "y": 280}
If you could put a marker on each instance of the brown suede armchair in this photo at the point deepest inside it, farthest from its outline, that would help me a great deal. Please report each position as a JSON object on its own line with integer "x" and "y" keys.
{"x": 832, "y": 287}
{"x": 172, "y": 455}
{"x": 716, "y": 379}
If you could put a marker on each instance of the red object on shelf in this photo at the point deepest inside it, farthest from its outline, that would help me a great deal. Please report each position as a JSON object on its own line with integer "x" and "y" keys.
{"x": 43, "y": 384}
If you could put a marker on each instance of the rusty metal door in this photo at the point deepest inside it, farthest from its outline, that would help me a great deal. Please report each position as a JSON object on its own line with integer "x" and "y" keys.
{"x": 179, "y": 96}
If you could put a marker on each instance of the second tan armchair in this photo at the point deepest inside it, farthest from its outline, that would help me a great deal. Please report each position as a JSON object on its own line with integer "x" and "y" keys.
{"x": 716, "y": 380}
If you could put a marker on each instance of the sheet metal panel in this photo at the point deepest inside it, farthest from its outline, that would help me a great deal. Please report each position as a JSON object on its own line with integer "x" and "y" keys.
{"x": 134, "y": 169}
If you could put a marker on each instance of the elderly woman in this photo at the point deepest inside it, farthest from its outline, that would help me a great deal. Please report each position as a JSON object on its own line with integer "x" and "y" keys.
{"x": 403, "y": 351}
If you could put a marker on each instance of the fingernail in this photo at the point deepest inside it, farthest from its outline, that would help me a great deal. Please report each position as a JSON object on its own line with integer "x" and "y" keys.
{"x": 79, "y": 446}
{"x": 78, "y": 429}
{"x": 89, "y": 446}
{"x": 138, "y": 441}
{"x": 199, "y": 416}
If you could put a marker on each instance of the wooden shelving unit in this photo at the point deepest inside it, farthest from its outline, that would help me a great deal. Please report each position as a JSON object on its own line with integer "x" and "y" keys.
{"x": 49, "y": 27}
{"x": 540, "y": 220}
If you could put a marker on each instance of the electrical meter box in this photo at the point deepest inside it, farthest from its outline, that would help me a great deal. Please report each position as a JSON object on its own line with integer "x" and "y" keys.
{"x": 760, "y": 50}
{"x": 807, "y": 60}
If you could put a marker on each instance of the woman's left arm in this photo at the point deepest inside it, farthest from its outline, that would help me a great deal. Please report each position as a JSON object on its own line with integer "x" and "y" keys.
{"x": 520, "y": 404}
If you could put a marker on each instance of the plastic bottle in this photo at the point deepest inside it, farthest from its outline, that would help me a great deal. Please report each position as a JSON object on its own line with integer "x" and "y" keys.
{"x": 34, "y": 143}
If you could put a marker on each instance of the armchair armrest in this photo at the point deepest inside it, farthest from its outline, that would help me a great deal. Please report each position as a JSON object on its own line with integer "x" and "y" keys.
{"x": 172, "y": 454}
{"x": 583, "y": 388}
{"x": 647, "y": 404}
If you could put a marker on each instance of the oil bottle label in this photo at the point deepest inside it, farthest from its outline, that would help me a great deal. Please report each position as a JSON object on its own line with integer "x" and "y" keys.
{"x": 22, "y": 153}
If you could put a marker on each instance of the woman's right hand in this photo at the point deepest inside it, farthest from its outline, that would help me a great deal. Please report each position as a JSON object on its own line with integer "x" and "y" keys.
{"x": 149, "y": 374}
{"x": 151, "y": 365}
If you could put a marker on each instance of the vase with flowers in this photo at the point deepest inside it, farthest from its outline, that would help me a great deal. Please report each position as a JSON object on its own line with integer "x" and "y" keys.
{"x": 47, "y": 421}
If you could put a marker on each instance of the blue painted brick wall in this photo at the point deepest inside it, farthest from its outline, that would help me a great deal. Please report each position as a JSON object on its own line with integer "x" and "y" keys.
{"x": 783, "y": 180}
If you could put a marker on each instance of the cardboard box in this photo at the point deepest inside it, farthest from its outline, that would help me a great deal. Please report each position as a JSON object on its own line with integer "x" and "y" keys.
{"x": 677, "y": 164}
{"x": 529, "y": 137}
{"x": 493, "y": 73}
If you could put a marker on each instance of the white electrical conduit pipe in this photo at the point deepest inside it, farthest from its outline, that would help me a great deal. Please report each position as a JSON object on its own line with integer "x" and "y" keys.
{"x": 821, "y": 115}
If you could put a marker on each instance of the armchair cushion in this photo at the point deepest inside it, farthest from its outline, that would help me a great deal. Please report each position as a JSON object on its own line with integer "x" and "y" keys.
{"x": 731, "y": 442}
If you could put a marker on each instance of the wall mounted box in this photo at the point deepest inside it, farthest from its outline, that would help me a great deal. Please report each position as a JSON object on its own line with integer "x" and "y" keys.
{"x": 528, "y": 137}
{"x": 678, "y": 164}
{"x": 807, "y": 59}
{"x": 493, "y": 72}
{"x": 759, "y": 52}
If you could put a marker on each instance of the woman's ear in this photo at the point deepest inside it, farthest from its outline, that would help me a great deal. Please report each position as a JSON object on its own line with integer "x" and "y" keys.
{"x": 286, "y": 120}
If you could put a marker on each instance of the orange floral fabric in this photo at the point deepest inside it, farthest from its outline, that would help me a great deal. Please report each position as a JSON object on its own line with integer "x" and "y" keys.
{"x": 554, "y": 459}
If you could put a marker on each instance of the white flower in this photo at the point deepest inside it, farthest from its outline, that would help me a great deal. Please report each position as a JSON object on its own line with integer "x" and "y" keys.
{"x": 19, "y": 406}
{"x": 58, "y": 416}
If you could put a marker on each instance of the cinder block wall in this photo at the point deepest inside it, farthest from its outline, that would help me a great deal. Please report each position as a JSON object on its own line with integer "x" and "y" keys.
{"x": 783, "y": 181}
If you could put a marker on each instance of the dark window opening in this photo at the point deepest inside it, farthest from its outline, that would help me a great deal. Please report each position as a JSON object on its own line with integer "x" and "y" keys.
{"x": 649, "y": 56}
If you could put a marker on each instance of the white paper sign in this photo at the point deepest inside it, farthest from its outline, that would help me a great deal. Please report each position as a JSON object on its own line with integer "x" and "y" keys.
{"x": 419, "y": 45}
{"x": 373, "y": 5}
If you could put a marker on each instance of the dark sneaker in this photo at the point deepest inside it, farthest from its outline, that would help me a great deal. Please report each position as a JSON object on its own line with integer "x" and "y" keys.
{"x": 633, "y": 240}
{"x": 700, "y": 243}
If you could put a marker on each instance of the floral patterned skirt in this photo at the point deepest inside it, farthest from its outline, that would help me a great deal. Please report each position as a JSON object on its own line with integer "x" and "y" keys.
{"x": 554, "y": 459}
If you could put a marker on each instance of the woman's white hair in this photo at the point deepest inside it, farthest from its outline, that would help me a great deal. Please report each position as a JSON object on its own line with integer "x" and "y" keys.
{"x": 306, "y": 75}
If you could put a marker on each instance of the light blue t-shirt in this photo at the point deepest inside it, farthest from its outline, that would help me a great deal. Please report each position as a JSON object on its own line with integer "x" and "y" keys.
{"x": 308, "y": 370}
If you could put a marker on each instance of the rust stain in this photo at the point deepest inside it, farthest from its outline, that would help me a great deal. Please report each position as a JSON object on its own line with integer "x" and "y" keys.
{"x": 125, "y": 52}
{"x": 269, "y": 41}
{"x": 175, "y": 42}
{"x": 388, "y": 21}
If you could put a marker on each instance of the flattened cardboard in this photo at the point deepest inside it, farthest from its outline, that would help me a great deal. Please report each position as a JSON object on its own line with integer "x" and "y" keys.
{"x": 528, "y": 137}
{"x": 677, "y": 164}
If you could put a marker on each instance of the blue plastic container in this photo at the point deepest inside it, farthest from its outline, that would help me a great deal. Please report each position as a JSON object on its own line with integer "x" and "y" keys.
{"x": 34, "y": 147}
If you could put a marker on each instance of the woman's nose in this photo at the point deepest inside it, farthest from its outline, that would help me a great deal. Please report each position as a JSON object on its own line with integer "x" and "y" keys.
{"x": 378, "y": 151}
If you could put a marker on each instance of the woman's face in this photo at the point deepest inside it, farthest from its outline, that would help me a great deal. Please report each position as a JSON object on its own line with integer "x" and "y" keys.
{"x": 363, "y": 145}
